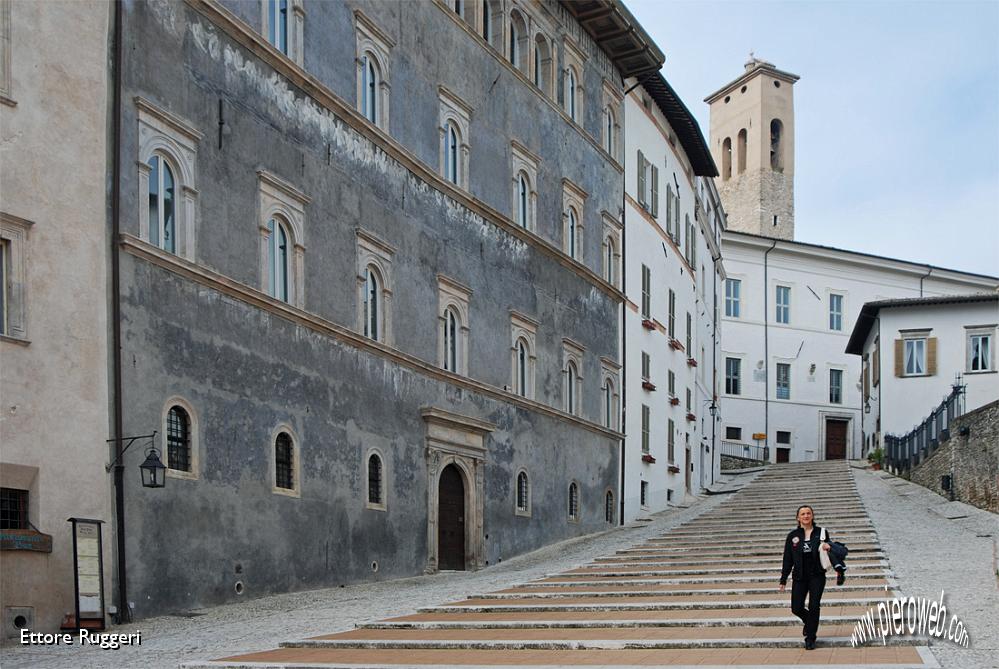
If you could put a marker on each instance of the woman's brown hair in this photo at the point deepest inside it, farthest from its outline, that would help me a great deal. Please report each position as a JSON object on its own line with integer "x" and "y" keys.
{"x": 805, "y": 506}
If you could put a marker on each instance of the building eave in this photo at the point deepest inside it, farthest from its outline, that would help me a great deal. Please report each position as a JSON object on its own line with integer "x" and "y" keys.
{"x": 618, "y": 34}
{"x": 683, "y": 123}
{"x": 760, "y": 69}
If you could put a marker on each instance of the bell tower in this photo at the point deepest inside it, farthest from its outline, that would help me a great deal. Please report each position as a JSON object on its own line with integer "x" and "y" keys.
{"x": 752, "y": 142}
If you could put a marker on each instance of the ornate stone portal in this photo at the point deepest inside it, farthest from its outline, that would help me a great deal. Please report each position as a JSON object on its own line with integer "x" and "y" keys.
{"x": 458, "y": 440}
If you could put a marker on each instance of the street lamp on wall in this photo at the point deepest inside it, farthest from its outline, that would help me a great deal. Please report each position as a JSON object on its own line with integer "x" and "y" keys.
{"x": 152, "y": 470}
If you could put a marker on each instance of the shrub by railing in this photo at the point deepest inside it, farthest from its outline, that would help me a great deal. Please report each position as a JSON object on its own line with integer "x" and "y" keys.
{"x": 905, "y": 452}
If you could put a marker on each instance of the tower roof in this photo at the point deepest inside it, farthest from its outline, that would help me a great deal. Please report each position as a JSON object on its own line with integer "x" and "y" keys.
{"x": 754, "y": 67}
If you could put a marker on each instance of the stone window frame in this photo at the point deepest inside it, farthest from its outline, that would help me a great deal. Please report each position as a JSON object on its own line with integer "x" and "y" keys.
{"x": 611, "y": 507}
{"x": 612, "y": 101}
{"x": 547, "y": 79}
{"x": 789, "y": 306}
{"x": 279, "y": 199}
{"x": 570, "y": 517}
{"x": 524, "y": 161}
{"x": 572, "y": 352}
{"x": 573, "y": 58}
{"x": 523, "y": 327}
{"x": 194, "y": 432}
{"x": 454, "y": 111}
{"x": 14, "y": 235}
{"x": 842, "y": 294}
{"x": 517, "y": 510}
{"x": 368, "y": 504}
{"x": 374, "y": 42}
{"x": 453, "y": 295}
{"x": 6, "y": 80}
{"x": 574, "y": 198}
{"x": 296, "y": 464}
{"x": 610, "y": 372}
{"x": 613, "y": 229}
{"x": 525, "y": 56}
{"x": 378, "y": 254}
{"x": 296, "y": 30}
{"x": 164, "y": 134}
{"x": 741, "y": 377}
{"x": 843, "y": 371}
{"x": 980, "y": 331}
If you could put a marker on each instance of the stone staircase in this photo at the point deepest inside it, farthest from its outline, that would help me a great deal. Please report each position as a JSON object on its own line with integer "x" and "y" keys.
{"x": 704, "y": 594}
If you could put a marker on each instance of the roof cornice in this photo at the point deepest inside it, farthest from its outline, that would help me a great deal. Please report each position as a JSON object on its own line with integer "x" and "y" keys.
{"x": 761, "y": 68}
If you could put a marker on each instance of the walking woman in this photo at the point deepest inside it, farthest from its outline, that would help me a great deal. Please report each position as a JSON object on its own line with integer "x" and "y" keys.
{"x": 801, "y": 551}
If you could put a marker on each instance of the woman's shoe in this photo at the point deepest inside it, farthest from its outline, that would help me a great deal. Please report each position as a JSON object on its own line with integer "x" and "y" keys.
{"x": 840, "y": 577}
{"x": 809, "y": 644}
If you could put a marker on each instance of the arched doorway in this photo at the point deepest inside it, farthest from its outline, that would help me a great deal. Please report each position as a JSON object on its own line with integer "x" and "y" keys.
{"x": 451, "y": 520}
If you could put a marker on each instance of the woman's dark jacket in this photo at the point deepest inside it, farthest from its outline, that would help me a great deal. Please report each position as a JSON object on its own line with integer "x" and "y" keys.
{"x": 793, "y": 557}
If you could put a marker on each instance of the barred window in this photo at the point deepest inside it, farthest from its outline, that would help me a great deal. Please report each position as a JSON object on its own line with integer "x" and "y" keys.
{"x": 573, "y": 501}
{"x": 609, "y": 507}
{"x": 284, "y": 454}
{"x": 522, "y": 491}
{"x": 375, "y": 480}
{"x": 178, "y": 439}
{"x": 13, "y": 509}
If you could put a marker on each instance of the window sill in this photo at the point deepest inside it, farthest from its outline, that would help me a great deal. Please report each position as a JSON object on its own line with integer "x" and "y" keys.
{"x": 522, "y": 513}
{"x": 286, "y": 492}
{"x": 4, "y": 100}
{"x": 15, "y": 340}
{"x": 181, "y": 474}
{"x": 375, "y": 507}
{"x": 983, "y": 371}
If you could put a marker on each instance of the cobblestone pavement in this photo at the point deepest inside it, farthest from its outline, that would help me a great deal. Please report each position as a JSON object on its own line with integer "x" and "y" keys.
{"x": 930, "y": 553}
{"x": 264, "y": 623}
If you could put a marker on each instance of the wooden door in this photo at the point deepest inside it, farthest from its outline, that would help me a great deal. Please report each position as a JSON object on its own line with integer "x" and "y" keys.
{"x": 451, "y": 520}
{"x": 690, "y": 466}
{"x": 783, "y": 454}
{"x": 836, "y": 439}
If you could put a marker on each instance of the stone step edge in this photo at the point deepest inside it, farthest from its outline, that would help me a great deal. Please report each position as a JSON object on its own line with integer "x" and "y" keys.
{"x": 673, "y": 581}
{"x": 646, "y": 606}
{"x": 582, "y": 571}
{"x": 577, "y": 644}
{"x": 652, "y": 593}
{"x": 757, "y": 621}
{"x": 679, "y": 561}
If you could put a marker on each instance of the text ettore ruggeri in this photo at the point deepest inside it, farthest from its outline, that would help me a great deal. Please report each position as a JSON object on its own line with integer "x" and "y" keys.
{"x": 105, "y": 640}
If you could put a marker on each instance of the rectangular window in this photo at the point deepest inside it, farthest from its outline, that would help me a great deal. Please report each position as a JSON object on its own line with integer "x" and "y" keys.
{"x": 670, "y": 440}
{"x": 783, "y": 437}
{"x": 733, "y": 376}
{"x": 836, "y": 386}
{"x": 672, "y": 314}
{"x": 733, "y": 433}
{"x": 646, "y": 366}
{"x": 688, "y": 405}
{"x": 733, "y": 293}
{"x": 645, "y": 493}
{"x": 672, "y": 383}
{"x": 979, "y": 352}
{"x": 3, "y": 284}
{"x": 690, "y": 333}
{"x": 13, "y": 509}
{"x": 915, "y": 357}
{"x": 783, "y": 304}
{"x": 283, "y": 462}
{"x": 646, "y": 420}
{"x": 835, "y": 312}
{"x": 783, "y": 381}
{"x": 646, "y": 292}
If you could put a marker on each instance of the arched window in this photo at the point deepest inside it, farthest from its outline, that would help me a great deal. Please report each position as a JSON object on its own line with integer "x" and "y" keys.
{"x": 277, "y": 21}
{"x": 609, "y": 130}
{"x": 487, "y": 26}
{"x": 609, "y": 507}
{"x": 452, "y": 142}
{"x": 375, "y": 482}
{"x": 284, "y": 461}
{"x": 727, "y": 159}
{"x": 459, "y": 7}
{"x": 543, "y": 63}
{"x": 741, "y": 153}
{"x": 514, "y": 38}
{"x": 609, "y": 251}
{"x": 372, "y": 304}
{"x": 608, "y": 397}
{"x": 518, "y": 48}
{"x": 776, "y": 145}
{"x": 573, "y": 230}
{"x": 277, "y": 257}
{"x": 178, "y": 439}
{"x": 523, "y": 200}
{"x": 450, "y": 340}
{"x": 522, "y": 362}
{"x": 369, "y": 88}
{"x": 570, "y": 93}
{"x": 522, "y": 492}
{"x": 162, "y": 219}
{"x": 573, "y": 501}
{"x": 571, "y": 378}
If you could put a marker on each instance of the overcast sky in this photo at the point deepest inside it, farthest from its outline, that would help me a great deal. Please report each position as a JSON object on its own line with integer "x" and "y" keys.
{"x": 896, "y": 113}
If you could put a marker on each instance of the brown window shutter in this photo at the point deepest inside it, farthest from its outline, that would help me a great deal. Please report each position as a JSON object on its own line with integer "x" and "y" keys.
{"x": 876, "y": 373}
{"x": 931, "y": 356}
{"x": 899, "y": 357}
{"x": 641, "y": 177}
{"x": 867, "y": 381}
{"x": 655, "y": 191}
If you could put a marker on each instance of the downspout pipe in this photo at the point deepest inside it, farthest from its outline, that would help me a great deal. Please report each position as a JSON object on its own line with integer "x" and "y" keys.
{"x": 124, "y": 612}
{"x": 929, "y": 270}
{"x": 624, "y": 350}
{"x": 766, "y": 344}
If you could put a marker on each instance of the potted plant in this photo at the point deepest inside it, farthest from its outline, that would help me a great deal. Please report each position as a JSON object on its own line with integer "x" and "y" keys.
{"x": 876, "y": 458}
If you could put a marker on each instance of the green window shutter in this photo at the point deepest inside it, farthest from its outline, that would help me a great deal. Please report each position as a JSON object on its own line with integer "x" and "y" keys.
{"x": 655, "y": 191}
{"x": 641, "y": 177}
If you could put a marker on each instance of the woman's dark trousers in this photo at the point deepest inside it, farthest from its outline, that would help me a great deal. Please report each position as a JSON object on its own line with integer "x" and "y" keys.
{"x": 813, "y": 587}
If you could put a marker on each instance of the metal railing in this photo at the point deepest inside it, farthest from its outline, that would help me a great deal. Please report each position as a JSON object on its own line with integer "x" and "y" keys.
{"x": 744, "y": 451}
{"x": 905, "y": 452}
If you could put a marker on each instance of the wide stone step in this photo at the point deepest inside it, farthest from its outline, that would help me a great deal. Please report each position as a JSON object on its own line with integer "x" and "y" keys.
{"x": 612, "y": 590}
{"x": 588, "y": 644}
{"x": 667, "y": 599}
{"x": 457, "y": 622}
{"x": 898, "y": 656}
{"x": 576, "y": 591}
{"x": 724, "y": 568}
{"x": 761, "y": 577}
{"x": 643, "y": 604}
{"x": 690, "y": 560}
{"x": 871, "y": 551}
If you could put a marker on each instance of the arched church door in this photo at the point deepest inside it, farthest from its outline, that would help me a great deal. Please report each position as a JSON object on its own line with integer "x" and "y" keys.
{"x": 451, "y": 520}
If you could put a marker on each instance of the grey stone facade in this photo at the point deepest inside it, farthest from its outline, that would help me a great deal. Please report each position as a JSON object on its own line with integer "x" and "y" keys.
{"x": 972, "y": 460}
{"x": 201, "y": 328}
